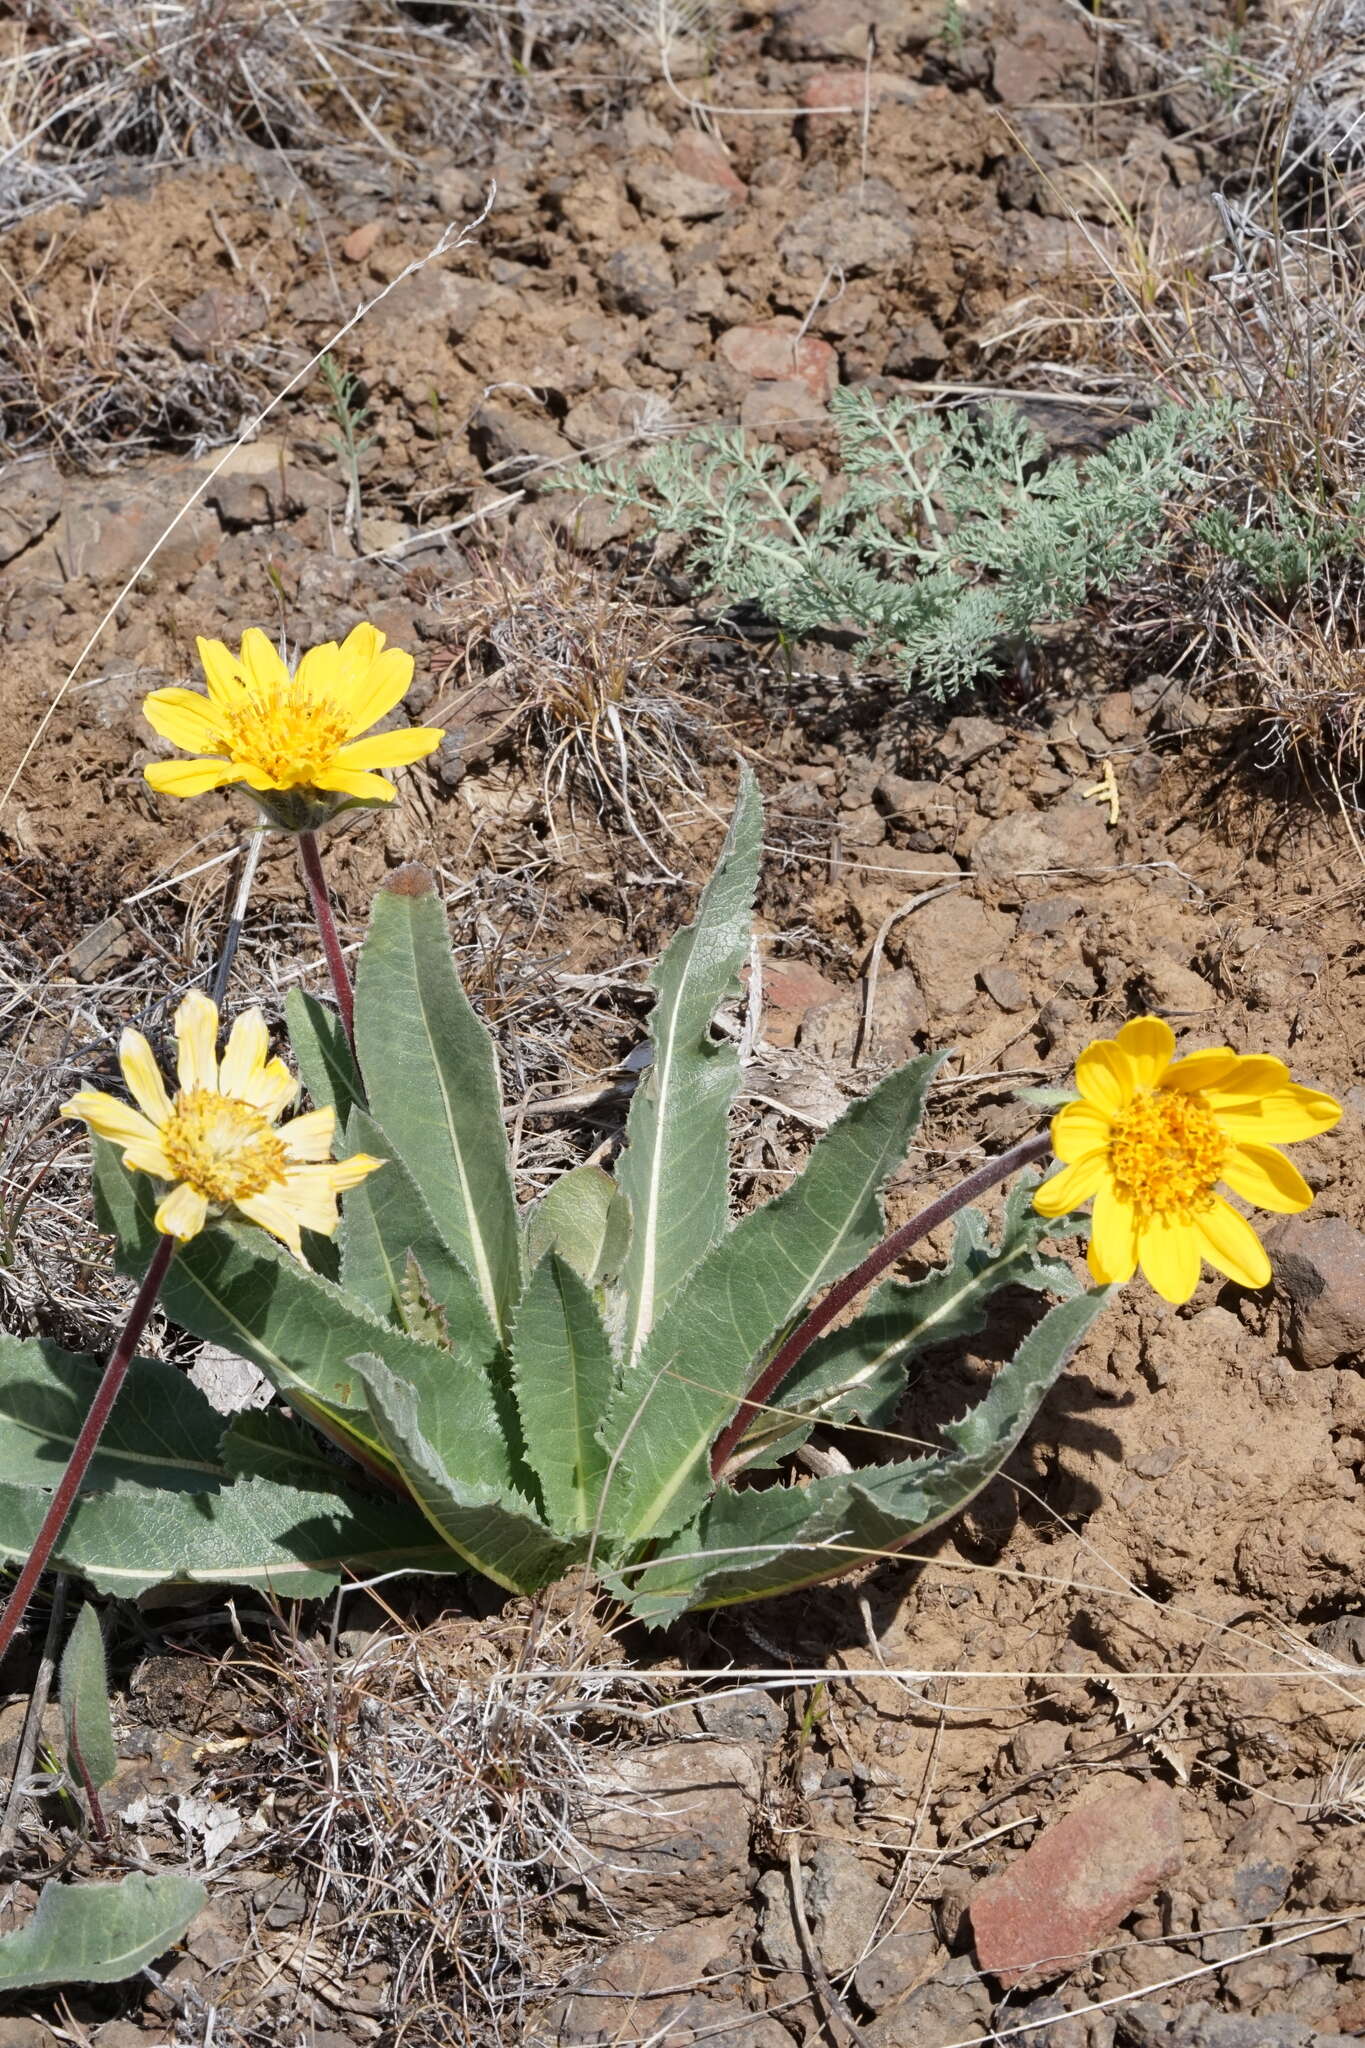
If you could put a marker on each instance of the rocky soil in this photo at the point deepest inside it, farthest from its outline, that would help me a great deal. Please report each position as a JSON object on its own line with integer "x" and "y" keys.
{"x": 1089, "y": 1766}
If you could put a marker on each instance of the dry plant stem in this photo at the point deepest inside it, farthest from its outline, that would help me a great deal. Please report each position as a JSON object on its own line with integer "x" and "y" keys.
{"x": 69, "y": 1485}
{"x": 310, "y": 860}
{"x": 851, "y": 1286}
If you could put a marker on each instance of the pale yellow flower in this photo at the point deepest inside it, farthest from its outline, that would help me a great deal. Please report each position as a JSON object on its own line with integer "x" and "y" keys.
{"x": 1151, "y": 1138}
{"x": 275, "y": 731}
{"x": 218, "y": 1138}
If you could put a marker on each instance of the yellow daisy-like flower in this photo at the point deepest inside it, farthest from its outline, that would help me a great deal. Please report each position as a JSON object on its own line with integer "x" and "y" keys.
{"x": 216, "y": 1137}
{"x": 1151, "y": 1138}
{"x": 292, "y": 739}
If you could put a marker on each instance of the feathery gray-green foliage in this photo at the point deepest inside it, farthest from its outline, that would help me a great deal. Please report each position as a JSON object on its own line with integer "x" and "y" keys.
{"x": 946, "y": 539}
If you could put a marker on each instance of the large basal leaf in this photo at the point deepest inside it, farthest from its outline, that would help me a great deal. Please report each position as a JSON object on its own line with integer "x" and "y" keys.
{"x": 162, "y": 1431}
{"x": 323, "y": 1056}
{"x": 710, "y": 1341}
{"x": 858, "y": 1372}
{"x": 586, "y": 1219}
{"x": 384, "y": 1222}
{"x": 279, "y": 1539}
{"x": 675, "y": 1166}
{"x": 98, "y": 1933}
{"x": 268, "y": 1443}
{"x": 432, "y": 1081}
{"x": 493, "y": 1529}
{"x": 752, "y": 1542}
{"x": 232, "y": 1285}
{"x": 562, "y": 1367}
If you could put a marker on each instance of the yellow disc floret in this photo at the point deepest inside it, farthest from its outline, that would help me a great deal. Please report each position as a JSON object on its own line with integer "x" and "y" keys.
{"x": 1166, "y": 1154}
{"x": 1150, "y": 1139}
{"x": 225, "y": 1149}
{"x": 218, "y": 1139}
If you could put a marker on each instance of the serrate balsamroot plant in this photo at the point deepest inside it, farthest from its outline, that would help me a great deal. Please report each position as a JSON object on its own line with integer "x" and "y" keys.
{"x": 620, "y": 1377}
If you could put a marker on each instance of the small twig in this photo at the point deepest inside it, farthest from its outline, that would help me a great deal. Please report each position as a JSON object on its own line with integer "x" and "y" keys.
{"x": 33, "y": 1717}
{"x": 828, "y": 1997}
{"x": 238, "y": 917}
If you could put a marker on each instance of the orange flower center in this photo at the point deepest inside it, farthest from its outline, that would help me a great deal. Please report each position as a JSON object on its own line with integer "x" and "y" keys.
{"x": 290, "y": 737}
{"x": 1166, "y": 1153}
{"x": 225, "y": 1149}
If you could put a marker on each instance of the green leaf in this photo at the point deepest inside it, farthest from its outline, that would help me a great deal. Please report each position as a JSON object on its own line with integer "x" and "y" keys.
{"x": 750, "y": 1543}
{"x": 266, "y": 1443}
{"x": 859, "y": 1371}
{"x": 674, "y": 1169}
{"x": 586, "y": 1219}
{"x": 385, "y": 1221}
{"x": 323, "y": 1056}
{"x": 280, "y": 1539}
{"x": 98, "y": 1933}
{"x": 91, "y": 1757}
{"x": 492, "y": 1528}
{"x": 232, "y": 1285}
{"x": 432, "y": 1078}
{"x": 563, "y": 1368}
{"x": 162, "y": 1431}
{"x": 711, "y": 1340}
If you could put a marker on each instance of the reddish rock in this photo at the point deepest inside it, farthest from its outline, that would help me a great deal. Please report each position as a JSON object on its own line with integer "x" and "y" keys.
{"x": 842, "y": 91}
{"x": 785, "y": 413}
{"x": 771, "y": 352}
{"x": 1048, "y": 1911}
{"x": 704, "y": 157}
{"x": 360, "y": 241}
{"x": 796, "y": 985}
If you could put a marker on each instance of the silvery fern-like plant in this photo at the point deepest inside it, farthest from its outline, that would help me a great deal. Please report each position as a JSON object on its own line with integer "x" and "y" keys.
{"x": 616, "y": 1379}
{"x": 950, "y": 536}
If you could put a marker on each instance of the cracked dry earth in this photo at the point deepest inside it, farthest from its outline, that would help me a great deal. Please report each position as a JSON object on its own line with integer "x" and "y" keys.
{"x": 1150, "y": 1627}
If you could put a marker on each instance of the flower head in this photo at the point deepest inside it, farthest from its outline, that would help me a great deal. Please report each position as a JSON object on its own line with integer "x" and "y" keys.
{"x": 1150, "y": 1139}
{"x": 218, "y": 1137}
{"x": 292, "y": 739}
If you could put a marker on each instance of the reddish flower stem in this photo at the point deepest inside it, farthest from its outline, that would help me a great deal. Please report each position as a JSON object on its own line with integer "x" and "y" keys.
{"x": 846, "y": 1290}
{"x": 310, "y": 860}
{"x": 69, "y": 1485}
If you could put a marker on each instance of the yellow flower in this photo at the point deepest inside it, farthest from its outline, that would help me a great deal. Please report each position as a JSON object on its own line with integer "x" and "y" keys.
{"x": 216, "y": 1138}
{"x": 280, "y": 732}
{"x": 1150, "y": 1139}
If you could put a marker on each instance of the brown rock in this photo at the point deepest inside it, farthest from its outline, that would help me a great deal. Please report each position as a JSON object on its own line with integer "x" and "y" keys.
{"x": 361, "y": 240}
{"x": 965, "y": 740}
{"x": 1051, "y": 1908}
{"x": 705, "y": 158}
{"x": 784, "y": 412}
{"x": 796, "y": 985}
{"x": 838, "y": 28}
{"x": 771, "y": 351}
{"x": 1320, "y": 1269}
{"x": 667, "y": 1830}
{"x": 638, "y": 278}
{"x": 847, "y": 91}
{"x": 947, "y": 943}
{"x": 1046, "y": 51}
{"x": 1004, "y": 986}
{"x": 510, "y": 445}
{"x": 30, "y": 498}
{"x": 1172, "y": 990}
{"x": 1071, "y": 836}
{"x": 670, "y": 194}
{"x": 866, "y": 232}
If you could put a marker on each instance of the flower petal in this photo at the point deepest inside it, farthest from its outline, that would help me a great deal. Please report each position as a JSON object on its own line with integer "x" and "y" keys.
{"x": 348, "y": 1173}
{"x": 1169, "y": 1254}
{"x": 378, "y": 689}
{"x": 1149, "y": 1043}
{"x": 1230, "y": 1244}
{"x": 244, "y": 1060}
{"x": 185, "y": 719}
{"x": 272, "y": 1090}
{"x": 196, "y": 1038}
{"x": 1072, "y": 1186}
{"x": 390, "y": 749}
{"x": 275, "y": 1214}
{"x": 350, "y": 783}
{"x": 183, "y": 1212}
{"x": 309, "y": 1136}
{"x": 1113, "y": 1252}
{"x": 222, "y": 673}
{"x": 1106, "y": 1077}
{"x": 1200, "y": 1069}
{"x": 110, "y": 1117}
{"x": 1260, "y": 1174}
{"x": 1078, "y": 1130}
{"x": 143, "y": 1077}
{"x": 261, "y": 665}
{"x": 318, "y": 672}
{"x": 1283, "y": 1117}
{"x": 190, "y": 778}
{"x": 151, "y": 1159}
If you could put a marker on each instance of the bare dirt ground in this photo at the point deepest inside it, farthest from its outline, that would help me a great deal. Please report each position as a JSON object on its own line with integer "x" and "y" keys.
{"x": 1164, "y": 1588}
